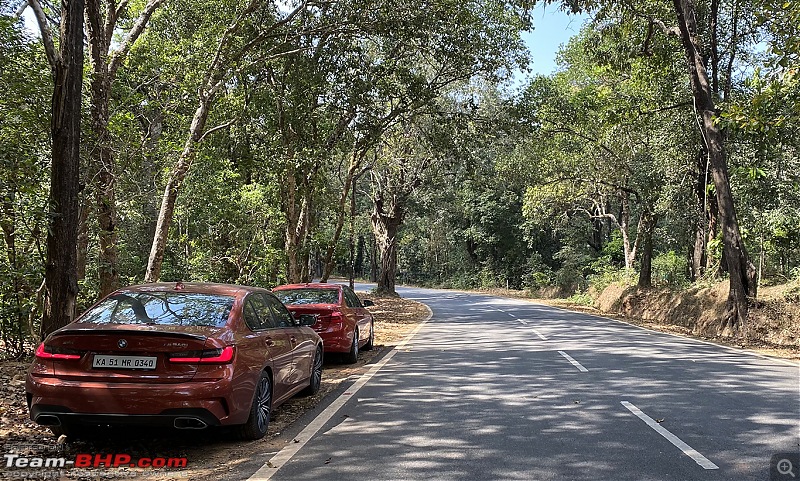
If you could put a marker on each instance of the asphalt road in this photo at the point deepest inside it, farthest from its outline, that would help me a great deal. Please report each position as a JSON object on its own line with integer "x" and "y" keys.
{"x": 499, "y": 389}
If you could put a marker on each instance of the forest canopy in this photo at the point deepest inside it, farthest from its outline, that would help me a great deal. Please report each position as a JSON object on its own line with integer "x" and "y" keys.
{"x": 268, "y": 142}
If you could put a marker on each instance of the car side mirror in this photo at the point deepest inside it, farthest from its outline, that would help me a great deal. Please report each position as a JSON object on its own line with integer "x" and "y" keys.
{"x": 307, "y": 319}
{"x": 368, "y": 303}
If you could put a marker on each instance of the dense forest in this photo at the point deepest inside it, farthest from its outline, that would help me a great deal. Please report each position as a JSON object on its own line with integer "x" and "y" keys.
{"x": 263, "y": 142}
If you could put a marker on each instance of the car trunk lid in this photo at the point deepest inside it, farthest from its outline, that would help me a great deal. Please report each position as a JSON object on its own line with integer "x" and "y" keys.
{"x": 129, "y": 353}
{"x": 326, "y": 313}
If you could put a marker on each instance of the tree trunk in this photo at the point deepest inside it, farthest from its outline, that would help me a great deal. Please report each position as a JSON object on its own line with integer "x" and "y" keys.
{"x": 625, "y": 228}
{"x": 386, "y": 221}
{"x": 701, "y": 223}
{"x": 83, "y": 239}
{"x": 741, "y": 270}
{"x": 329, "y": 262}
{"x": 100, "y": 29}
{"x": 373, "y": 264}
{"x": 103, "y": 161}
{"x": 297, "y": 211}
{"x": 353, "y": 235}
{"x": 61, "y": 282}
{"x": 647, "y": 226}
{"x": 170, "y": 197}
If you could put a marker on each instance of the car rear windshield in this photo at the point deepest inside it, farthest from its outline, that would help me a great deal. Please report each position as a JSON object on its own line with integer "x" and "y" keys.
{"x": 308, "y": 296}
{"x": 161, "y": 308}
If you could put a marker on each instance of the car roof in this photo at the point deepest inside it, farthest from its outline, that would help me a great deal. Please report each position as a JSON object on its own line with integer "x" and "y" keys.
{"x": 309, "y": 285}
{"x": 195, "y": 288}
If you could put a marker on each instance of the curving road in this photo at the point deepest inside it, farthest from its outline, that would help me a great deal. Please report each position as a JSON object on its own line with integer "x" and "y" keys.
{"x": 499, "y": 389}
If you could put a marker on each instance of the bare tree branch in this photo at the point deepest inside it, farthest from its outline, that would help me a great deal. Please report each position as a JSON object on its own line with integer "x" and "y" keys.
{"x": 675, "y": 31}
{"x": 53, "y": 57}
{"x": 21, "y": 9}
{"x": 118, "y": 56}
{"x": 214, "y": 129}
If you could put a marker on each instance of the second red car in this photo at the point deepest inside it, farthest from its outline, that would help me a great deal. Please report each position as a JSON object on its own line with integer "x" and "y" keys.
{"x": 343, "y": 322}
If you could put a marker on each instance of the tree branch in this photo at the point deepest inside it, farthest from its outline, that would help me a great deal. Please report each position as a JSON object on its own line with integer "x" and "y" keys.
{"x": 21, "y": 9}
{"x": 118, "y": 56}
{"x": 53, "y": 57}
{"x": 116, "y": 13}
{"x": 667, "y": 30}
{"x": 214, "y": 129}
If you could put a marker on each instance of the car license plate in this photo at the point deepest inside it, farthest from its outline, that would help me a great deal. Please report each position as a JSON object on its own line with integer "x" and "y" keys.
{"x": 124, "y": 362}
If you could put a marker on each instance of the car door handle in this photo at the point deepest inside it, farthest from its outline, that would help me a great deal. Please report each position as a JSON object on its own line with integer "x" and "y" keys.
{"x": 293, "y": 340}
{"x": 269, "y": 342}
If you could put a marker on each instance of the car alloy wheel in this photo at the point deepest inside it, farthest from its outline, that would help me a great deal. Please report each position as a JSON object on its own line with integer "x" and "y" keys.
{"x": 315, "y": 380}
{"x": 371, "y": 342}
{"x": 258, "y": 421}
{"x": 352, "y": 356}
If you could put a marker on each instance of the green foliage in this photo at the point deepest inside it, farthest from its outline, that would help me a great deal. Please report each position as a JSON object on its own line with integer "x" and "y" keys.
{"x": 24, "y": 165}
{"x": 669, "y": 269}
{"x": 582, "y": 299}
{"x": 531, "y": 189}
{"x": 605, "y": 274}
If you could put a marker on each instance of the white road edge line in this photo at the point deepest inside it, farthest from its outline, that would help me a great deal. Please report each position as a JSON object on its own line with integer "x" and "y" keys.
{"x": 573, "y": 361}
{"x": 272, "y": 466}
{"x": 687, "y": 450}
{"x": 539, "y": 334}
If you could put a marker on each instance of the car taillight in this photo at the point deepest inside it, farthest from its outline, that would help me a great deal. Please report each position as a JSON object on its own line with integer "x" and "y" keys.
{"x": 325, "y": 321}
{"x": 206, "y": 356}
{"x": 53, "y": 352}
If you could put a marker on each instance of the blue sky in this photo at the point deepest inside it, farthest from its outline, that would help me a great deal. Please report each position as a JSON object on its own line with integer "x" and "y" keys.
{"x": 552, "y": 28}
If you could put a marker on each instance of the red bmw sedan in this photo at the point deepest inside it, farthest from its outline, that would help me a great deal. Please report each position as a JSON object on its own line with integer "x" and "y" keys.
{"x": 182, "y": 355}
{"x": 343, "y": 322}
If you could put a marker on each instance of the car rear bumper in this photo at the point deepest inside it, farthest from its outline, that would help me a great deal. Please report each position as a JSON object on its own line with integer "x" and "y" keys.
{"x": 129, "y": 403}
{"x": 335, "y": 340}
{"x": 48, "y": 415}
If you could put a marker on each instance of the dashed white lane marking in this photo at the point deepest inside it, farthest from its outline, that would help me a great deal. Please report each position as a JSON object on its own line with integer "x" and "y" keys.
{"x": 687, "y": 450}
{"x": 525, "y": 323}
{"x": 272, "y": 466}
{"x": 506, "y": 312}
{"x": 573, "y": 361}
{"x": 539, "y": 334}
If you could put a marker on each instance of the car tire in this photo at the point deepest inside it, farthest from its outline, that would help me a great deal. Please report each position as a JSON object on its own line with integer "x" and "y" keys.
{"x": 371, "y": 341}
{"x": 260, "y": 411}
{"x": 352, "y": 356}
{"x": 315, "y": 380}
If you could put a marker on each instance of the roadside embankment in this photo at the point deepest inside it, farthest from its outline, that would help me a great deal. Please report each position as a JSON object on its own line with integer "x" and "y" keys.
{"x": 773, "y": 320}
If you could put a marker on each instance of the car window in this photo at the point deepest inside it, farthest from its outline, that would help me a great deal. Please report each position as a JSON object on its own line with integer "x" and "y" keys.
{"x": 161, "y": 308}
{"x": 351, "y": 298}
{"x": 250, "y": 316}
{"x": 308, "y": 296}
{"x": 282, "y": 316}
{"x": 264, "y": 312}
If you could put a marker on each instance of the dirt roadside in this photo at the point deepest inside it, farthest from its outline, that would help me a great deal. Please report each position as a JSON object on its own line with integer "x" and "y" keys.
{"x": 211, "y": 454}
